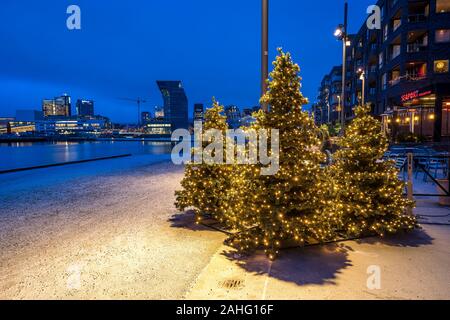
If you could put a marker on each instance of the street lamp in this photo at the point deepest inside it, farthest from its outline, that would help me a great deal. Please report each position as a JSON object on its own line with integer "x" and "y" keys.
{"x": 362, "y": 76}
{"x": 341, "y": 34}
{"x": 339, "y": 107}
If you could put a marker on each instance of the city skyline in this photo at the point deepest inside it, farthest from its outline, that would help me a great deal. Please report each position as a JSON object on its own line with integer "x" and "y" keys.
{"x": 106, "y": 60}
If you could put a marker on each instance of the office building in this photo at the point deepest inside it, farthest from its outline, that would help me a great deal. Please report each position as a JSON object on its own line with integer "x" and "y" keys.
{"x": 57, "y": 107}
{"x": 145, "y": 117}
{"x": 233, "y": 116}
{"x": 85, "y": 108}
{"x": 175, "y": 104}
{"x": 159, "y": 113}
{"x": 198, "y": 111}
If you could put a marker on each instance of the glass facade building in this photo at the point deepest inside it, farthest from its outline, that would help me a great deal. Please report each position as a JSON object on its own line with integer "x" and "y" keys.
{"x": 85, "y": 108}
{"x": 175, "y": 104}
{"x": 59, "y": 106}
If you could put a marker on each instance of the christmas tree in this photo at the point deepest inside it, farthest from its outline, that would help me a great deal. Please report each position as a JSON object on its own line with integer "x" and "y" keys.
{"x": 370, "y": 192}
{"x": 206, "y": 184}
{"x": 291, "y": 204}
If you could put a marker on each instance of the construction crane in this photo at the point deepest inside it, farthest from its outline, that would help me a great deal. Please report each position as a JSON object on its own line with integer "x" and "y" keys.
{"x": 138, "y": 101}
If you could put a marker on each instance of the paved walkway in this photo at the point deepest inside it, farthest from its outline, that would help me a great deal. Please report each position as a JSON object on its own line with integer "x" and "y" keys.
{"x": 412, "y": 266}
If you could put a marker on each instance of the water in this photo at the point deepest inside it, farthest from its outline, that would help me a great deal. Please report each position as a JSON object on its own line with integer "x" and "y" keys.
{"x": 23, "y": 154}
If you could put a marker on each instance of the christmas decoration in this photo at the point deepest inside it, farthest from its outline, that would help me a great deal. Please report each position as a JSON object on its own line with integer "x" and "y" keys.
{"x": 369, "y": 190}
{"x": 292, "y": 204}
{"x": 206, "y": 186}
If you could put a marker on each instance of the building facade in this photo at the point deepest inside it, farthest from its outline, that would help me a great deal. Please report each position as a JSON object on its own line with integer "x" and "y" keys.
{"x": 406, "y": 68}
{"x": 175, "y": 104}
{"x": 57, "y": 107}
{"x": 145, "y": 117}
{"x": 233, "y": 116}
{"x": 328, "y": 105}
{"x": 85, "y": 108}
{"x": 198, "y": 111}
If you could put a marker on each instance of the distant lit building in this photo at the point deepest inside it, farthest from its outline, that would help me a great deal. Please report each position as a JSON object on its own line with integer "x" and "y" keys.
{"x": 158, "y": 127}
{"x": 12, "y": 125}
{"x": 59, "y": 107}
{"x": 73, "y": 125}
{"x": 233, "y": 116}
{"x": 159, "y": 113}
{"x": 145, "y": 117}
{"x": 85, "y": 108}
{"x": 175, "y": 104}
{"x": 198, "y": 111}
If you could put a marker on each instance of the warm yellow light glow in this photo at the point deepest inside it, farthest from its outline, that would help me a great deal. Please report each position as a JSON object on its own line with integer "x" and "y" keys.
{"x": 431, "y": 116}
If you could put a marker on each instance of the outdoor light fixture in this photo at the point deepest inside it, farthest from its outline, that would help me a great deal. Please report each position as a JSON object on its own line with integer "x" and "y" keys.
{"x": 431, "y": 116}
{"x": 361, "y": 73}
{"x": 339, "y": 32}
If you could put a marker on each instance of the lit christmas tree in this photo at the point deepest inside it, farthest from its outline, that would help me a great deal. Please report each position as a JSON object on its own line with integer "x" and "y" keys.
{"x": 370, "y": 192}
{"x": 206, "y": 186}
{"x": 293, "y": 203}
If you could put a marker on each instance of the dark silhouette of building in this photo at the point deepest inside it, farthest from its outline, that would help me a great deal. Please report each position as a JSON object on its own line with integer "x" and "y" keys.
{"x": 85, "y": 108}
{"x": 59, "y": 106}
{"x": 198, "y": 111}
{"x": 175, "y": 104}
{"x": 145, "y": 117}
{"x": 233, "y": 116}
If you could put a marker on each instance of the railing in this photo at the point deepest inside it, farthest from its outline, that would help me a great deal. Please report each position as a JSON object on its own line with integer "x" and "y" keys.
{"x": 416, "y": 47}
{"x": 432, "y": 167}
{"x": 414, "y": 18}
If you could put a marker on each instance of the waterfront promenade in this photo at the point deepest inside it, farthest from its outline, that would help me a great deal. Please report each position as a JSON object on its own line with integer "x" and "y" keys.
{"x": 86, "y": 231}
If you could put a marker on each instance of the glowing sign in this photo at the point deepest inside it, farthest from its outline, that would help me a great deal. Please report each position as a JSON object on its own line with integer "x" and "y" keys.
{"x": 414, "y": 95}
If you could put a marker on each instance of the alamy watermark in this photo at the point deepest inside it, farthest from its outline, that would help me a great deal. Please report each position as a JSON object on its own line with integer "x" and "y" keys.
{"x": 374, "y": 280}
{"x": 238, "y": 146}
{"x": 374, "y": 20}
{"x": 73, "y": 22}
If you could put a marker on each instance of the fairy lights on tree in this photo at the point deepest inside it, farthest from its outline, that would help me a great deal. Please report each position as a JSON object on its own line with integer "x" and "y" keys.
{"x": 370, "y": 192}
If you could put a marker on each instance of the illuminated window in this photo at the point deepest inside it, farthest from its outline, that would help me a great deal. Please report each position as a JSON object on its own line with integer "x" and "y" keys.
{"x": 442, "y": 6}
{"x": 441, "y": 66}
{"x": 442, "y": 35}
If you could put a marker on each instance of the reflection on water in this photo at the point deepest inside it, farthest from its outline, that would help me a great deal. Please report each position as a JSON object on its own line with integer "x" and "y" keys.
{"x": 26, "y": 154}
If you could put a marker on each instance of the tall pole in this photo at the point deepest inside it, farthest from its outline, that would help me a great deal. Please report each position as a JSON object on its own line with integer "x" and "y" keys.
{"x": 344, "y": 60}
{"x": 264, "y": 50}
{"x": 363, "y": 88}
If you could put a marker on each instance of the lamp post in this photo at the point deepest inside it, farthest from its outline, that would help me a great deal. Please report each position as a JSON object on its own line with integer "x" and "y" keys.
{"x": 341, "y": 34}
{"x": 264, "y": 50}
{"x": 362, "y": 77}
{"x": 339, "y": 107}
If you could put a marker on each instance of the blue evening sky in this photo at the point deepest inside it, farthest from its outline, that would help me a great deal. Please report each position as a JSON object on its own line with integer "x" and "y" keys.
{"x": 212, "y": 46}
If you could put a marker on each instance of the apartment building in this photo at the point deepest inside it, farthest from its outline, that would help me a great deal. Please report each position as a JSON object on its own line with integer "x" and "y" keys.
{"x": 406, "y": 68}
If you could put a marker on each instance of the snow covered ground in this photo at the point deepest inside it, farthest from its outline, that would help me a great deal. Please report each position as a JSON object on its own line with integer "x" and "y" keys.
{"x": 109, "y": 229}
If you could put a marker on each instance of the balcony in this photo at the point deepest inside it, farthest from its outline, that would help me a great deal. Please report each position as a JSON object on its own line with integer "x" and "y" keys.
{"x": 416, "y": 18}
{"x": 416, "y": 47}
